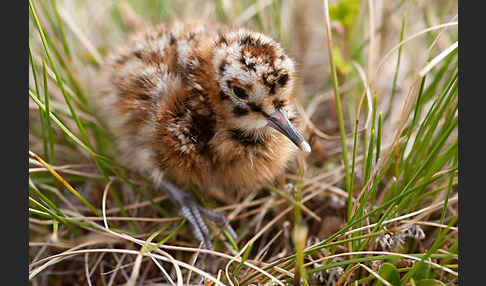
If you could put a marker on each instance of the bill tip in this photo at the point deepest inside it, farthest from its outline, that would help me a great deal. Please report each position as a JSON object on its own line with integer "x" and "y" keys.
{"x": 305, "y": 146}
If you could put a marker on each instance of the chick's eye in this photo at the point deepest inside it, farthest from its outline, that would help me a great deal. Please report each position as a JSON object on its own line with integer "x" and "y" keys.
{"x": 241, "y": 93}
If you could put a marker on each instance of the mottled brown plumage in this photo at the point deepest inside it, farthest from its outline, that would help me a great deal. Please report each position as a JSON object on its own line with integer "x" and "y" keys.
{"x": 196, "y": 102}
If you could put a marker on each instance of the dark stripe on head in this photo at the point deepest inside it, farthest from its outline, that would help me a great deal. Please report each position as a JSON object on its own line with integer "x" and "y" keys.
{"x": 272, "y": 88}
{"x": 240, "y": 111}
{"x": 270, "y": 85}
{"x": 282, "y": 81}
{"x": 254, "y": 107}
{"x": 278, "y": 104}
{"x": 264, "y": 79}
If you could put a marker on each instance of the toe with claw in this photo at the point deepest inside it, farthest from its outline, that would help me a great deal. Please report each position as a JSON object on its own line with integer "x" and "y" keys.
{"x": 193, "y": 212}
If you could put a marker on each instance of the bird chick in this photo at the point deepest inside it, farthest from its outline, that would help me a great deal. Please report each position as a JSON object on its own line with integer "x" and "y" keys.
{"x": 202, "y": 103}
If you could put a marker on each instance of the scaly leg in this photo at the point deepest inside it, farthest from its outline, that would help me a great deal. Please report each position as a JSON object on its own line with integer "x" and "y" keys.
{"x": 194, "y": 212}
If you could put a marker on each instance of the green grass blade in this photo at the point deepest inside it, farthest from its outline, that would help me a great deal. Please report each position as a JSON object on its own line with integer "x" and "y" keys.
{"x": 397, "y": 68}
{"x": 58, "y": 75}
{"x": 50, "y": 136}
{"x": 243, "y": 259}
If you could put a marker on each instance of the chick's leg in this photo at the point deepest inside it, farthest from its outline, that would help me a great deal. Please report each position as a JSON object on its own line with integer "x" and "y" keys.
{"x": 194, "y": 212}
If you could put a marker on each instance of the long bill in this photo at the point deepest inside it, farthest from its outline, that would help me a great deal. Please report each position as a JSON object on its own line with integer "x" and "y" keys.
{"x": 280, "y": 121}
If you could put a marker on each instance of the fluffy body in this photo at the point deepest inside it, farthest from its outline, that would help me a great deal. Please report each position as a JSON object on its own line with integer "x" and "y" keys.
{"x": 188, "y": 101}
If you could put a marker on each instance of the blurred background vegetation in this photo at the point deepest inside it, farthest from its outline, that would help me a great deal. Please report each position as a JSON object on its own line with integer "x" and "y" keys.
{"x": 377, "y": 206}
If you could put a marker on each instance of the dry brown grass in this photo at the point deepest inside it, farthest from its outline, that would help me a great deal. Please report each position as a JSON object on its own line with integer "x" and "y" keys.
{"x": 115, "y": 247}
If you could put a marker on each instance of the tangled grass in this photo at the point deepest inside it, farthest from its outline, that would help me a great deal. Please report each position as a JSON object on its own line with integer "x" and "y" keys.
{"x": 375, "y": 203}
